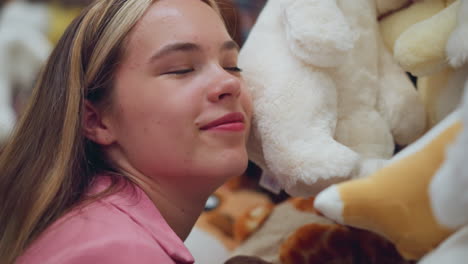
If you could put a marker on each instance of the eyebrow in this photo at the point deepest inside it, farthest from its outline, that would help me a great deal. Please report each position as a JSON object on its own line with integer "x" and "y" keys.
{"x": 189, "y": 47}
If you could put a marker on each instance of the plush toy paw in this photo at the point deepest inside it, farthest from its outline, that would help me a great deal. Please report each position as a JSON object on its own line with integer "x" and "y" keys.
{"x": 457, "y": 47}
{"x": 410, "y": 49}
{"x": 307, "y": 171}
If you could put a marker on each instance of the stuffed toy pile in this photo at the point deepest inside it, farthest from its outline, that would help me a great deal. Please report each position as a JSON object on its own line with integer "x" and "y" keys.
{"x": 330, "y": 102}
{"x": 314, "y": 68}
{"x": 418, "y": 201}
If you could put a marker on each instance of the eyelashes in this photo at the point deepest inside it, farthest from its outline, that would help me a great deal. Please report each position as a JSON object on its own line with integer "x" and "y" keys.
{"x": 179, "y": 72}
{"x": 233, "y": 69}
{"x": 189, "y": 70}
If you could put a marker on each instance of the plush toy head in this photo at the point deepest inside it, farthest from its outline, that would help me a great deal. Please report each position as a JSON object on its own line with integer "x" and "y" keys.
{"x": 419, "y": 199}
{"x": 330, "y": 102}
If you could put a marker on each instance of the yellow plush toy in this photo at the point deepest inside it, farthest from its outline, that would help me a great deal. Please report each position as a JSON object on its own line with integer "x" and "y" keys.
{"x": 417, "y": 35}
{"x": 417, "y": 201}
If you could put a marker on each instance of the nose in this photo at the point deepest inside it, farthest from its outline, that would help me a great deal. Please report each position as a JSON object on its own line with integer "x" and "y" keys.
{"x": 225, "y": 86}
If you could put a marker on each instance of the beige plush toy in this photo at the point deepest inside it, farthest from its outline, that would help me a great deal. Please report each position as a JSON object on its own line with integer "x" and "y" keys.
{"x": 418, "y": 201}
{"x": 329, "y": 100}
{"x": 417, "y": 34}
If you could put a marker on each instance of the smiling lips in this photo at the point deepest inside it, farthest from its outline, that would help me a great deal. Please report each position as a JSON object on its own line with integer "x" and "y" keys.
{"x": 230, "y": 122}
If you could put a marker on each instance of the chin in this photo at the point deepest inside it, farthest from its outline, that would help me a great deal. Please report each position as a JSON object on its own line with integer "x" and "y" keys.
{"x": 228, "y": 164}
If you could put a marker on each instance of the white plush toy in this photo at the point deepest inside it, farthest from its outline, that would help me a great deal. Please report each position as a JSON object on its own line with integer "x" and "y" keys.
{"x": 329, "y": 101}
{"x": 24, "y": 47}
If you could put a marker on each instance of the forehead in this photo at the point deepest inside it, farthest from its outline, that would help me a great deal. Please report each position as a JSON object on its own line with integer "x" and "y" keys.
{"x": 168, "y": 21}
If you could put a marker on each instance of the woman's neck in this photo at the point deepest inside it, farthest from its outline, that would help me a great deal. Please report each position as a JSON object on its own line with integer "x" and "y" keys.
{"x": 180, "y": 211}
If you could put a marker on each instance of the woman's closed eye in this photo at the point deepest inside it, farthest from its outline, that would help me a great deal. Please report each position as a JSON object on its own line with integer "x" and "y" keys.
{"x": 179, "y": 72}
{"x": 233, "y": 69}
{"x": 188, "y": 70}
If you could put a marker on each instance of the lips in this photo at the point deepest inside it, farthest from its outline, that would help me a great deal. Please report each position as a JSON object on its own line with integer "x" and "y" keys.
{"x": 231, "y": 120}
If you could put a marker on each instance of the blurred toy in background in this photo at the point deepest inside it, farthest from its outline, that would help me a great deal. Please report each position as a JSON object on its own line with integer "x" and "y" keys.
{"x": 28, "y": 31}
{"x": 231, "y": 214}
{"x": 330, "y": 102}
{"x": 24, "y": 47}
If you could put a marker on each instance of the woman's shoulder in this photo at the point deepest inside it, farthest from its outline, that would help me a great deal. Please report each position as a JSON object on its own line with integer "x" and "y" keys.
{"x": 124, "y": 227}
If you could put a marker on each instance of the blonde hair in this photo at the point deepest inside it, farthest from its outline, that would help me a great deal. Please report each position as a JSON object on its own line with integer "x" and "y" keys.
{"x": 48, "y": 164}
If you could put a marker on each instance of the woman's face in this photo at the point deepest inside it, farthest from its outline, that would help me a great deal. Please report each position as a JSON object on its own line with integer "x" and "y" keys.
{"x": 180, "y": 107}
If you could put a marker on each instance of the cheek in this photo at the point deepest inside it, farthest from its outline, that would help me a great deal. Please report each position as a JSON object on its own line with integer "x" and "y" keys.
{"x": 247, "y": 105}
{"x": 150, "y": 123}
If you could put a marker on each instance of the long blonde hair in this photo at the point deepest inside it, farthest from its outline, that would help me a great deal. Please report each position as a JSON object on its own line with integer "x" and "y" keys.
{"x": 48, "y": 164}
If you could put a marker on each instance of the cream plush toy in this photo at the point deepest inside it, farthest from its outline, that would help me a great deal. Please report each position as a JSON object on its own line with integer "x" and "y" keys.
{"x": 419, "y": 200}
{"x": 329, "y": 101}
{"x": 24, "y": 47}
{"x": 417, "y": 35}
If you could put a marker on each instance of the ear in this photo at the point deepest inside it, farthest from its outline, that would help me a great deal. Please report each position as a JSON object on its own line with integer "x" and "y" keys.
{"x": 95, "y": 127}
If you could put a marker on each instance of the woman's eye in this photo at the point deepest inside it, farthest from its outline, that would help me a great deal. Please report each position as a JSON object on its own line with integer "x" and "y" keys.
{"x": 180, "y": 72}
{"x": 233, "y": 69}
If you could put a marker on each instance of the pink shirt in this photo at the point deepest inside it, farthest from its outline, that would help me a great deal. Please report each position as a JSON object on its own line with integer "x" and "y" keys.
{"x": 124, "y": 227}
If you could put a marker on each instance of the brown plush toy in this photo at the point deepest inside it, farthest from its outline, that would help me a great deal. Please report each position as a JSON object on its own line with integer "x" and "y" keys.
{"x": 294, "y": 233}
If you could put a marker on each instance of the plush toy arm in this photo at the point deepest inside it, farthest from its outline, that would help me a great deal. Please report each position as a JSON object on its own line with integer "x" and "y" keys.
{"x": 457, "y": 45}
{"x": 295, "y": 121}
{"x": 317, "y": 31}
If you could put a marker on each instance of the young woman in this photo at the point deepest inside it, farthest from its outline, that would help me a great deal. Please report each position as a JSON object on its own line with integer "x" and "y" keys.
{"x": 138, "y": 116}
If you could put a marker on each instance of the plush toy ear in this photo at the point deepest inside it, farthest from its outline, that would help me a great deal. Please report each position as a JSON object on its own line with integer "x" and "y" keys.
{"x": 317, "y": 31}
{"x": 394, "y": 201}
